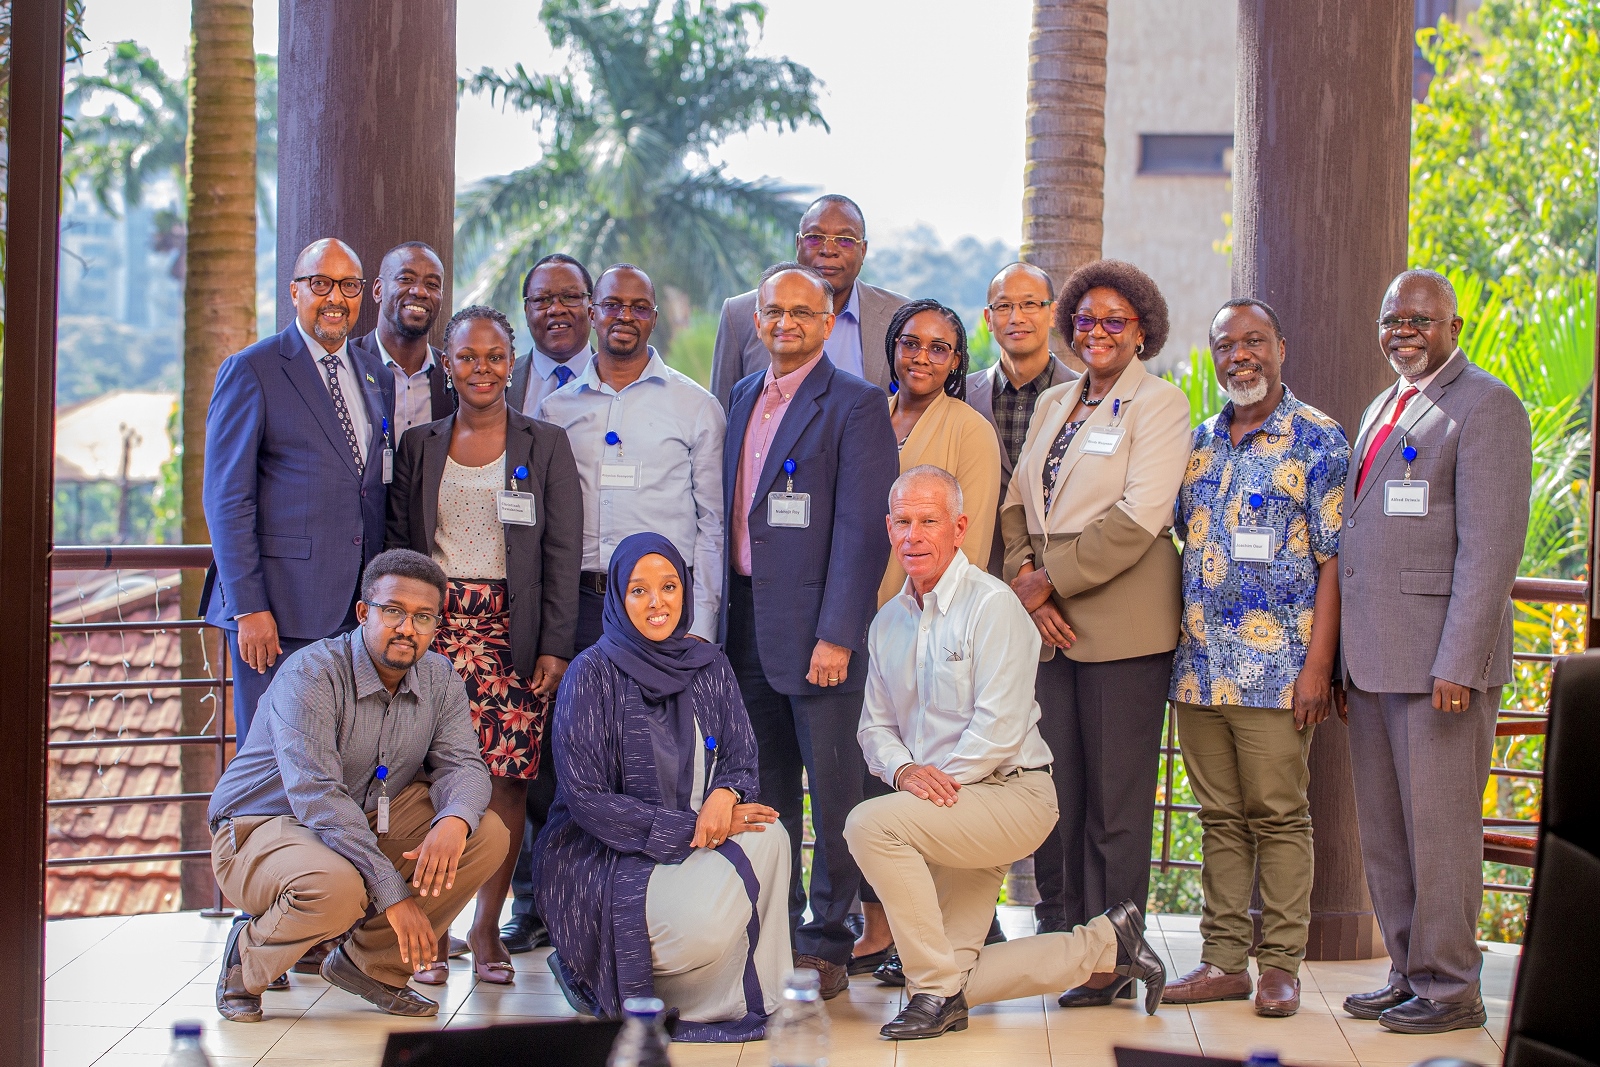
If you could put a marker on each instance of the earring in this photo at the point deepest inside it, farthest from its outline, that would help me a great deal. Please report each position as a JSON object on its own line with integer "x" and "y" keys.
{"x": 1139, "y": 351}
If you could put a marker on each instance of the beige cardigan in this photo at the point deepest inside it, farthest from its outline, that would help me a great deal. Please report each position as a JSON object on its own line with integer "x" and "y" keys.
{"x": 954, "y": 437}
{"x": 1106, "y": 542}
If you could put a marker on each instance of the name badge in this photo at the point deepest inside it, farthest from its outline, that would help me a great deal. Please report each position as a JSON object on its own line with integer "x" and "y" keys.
{"x": 1405, "y": 498}
{"x": 1253, "y": 544}
{"x": 515, "y": 508}
{"x": 1102, "y": 440}
{"x": 619, "y": 476}
{"x": 789, "y": 509}
{"x": 388, "y": 466}
{"x": 383, "y": 813}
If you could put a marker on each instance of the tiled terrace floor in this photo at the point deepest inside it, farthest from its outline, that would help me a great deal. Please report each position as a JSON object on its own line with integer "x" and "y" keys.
{"x": 115, "y": 985}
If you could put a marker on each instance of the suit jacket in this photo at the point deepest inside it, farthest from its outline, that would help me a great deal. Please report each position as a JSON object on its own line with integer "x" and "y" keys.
{"x": 821, "y": 582}
{"x": 1430, "y": 597}
{"x": 981, "y": 385}
{"x": 1106, "y": 540}
{"x": 442, "y": 393}
{"x": 542, "y": 560}
{"x": 739, "y": 351}
{"x": 292, "y": 523}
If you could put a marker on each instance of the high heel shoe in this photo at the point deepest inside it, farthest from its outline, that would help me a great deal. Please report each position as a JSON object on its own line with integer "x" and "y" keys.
{"x": 1084, "y": 997}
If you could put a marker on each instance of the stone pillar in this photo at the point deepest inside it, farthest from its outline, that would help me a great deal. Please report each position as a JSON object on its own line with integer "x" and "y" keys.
{"x": 366, "y": 132}
{"x": 1321, "y": 150}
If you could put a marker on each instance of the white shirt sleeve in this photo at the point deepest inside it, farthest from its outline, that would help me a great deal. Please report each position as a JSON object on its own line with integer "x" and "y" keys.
{"x": 879, "y": 731}
{"x": 1005, "y": 661}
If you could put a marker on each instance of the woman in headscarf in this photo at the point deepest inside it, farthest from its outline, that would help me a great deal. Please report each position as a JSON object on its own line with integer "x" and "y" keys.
{"x": 653, "y": 871}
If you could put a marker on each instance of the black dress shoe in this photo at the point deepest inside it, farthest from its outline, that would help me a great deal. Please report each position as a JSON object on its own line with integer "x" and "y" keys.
{"x": 1371, "y": 1005}
{"x": 1135, "y": 957}
{"x": 1419, "y": 1015}
{"x": 871, "y": 961}
{"x": 927, "y": 1016}
{"x": 996, "y": 935}
{"x": 234, "y": 1001}
{"x": 576, "y": 1000}
{"x": 1089, "y": 997}
{"x": 524, "y": 933}
{"x": 890, "y": 972}
{"x": 279, "y": 984}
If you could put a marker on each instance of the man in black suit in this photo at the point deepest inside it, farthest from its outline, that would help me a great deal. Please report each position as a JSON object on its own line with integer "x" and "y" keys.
{"x": 409, "y": 291}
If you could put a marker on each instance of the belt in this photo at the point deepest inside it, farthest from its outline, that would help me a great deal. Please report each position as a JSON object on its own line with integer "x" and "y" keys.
{"x": 1029, "y": 770}
{"x": 593, "y": 580}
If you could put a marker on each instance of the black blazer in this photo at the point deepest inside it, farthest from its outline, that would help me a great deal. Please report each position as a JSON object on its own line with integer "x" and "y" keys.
{"x": 542, "y": 560}
{"x": 441, "y": 393}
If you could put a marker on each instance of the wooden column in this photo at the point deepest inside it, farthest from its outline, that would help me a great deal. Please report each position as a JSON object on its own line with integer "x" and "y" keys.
{"x": 366, "y": 132}
{"x": 1322, "y": 143}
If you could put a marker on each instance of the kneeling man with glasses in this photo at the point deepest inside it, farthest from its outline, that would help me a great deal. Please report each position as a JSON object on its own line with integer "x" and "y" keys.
{"x": 358, "y": 804}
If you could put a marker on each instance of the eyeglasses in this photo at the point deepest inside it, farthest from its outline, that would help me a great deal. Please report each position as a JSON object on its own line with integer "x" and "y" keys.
{"x": 938, "y": 352}
{"x": 1416, "y": 322}
{"x": 613, "y": 308}
{"x": 1114, "y": 324}
{"x": 1027, "y": 307}
{"x": 843, "y": 242}
{"x": 421, "y": 621}
{"x": 322, "y": 285}
{"x": 545, "y": 301}
{"x": 801, "y": 316}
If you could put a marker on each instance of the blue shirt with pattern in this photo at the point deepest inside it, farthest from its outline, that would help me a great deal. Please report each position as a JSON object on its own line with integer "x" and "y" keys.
{"x": 1247, "y": 626}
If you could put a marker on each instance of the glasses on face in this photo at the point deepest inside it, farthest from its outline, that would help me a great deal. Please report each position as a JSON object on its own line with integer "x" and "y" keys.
{"x": 1002, "y": 308}
{"x": 614, "y": 308}
{"x": 421, "y": 621}
{"x": 322, "y": 285}
{"x": 1114, "y": 324}
{"x": 801, "y": 316}
{"x": 938, "y": 352}
{"x": 545, "y": 301}
{"x": 1416, "y": 322}
{"x": 843, "y": 242}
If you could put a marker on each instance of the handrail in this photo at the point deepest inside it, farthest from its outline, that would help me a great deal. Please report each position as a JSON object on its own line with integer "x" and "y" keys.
{"x": 128, "y": 557}
{"x": 1550, "y": 591}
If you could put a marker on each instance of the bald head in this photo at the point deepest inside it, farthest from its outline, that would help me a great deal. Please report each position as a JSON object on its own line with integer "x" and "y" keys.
{"x": 1028, "y": 270}
{"x": 327, "y": 316}
{"x": 623, "y": 312}
{"x": 323, "y": 252}
{"x": 1018, "y": 314}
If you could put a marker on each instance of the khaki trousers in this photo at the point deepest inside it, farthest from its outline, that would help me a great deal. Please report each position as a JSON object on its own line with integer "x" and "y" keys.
{"x": 1248, "y": 769}
{"x": 938, "y": 871}
{"x": 301, "y": 892}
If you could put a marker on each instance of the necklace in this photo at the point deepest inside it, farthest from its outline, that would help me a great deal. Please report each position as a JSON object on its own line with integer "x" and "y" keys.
{"x": 1084, "y": 399}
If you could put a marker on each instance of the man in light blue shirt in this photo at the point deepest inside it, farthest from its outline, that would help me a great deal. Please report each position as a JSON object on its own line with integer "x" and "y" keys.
{"x": 555, "y": 300}
{"x": 648, "y": 441}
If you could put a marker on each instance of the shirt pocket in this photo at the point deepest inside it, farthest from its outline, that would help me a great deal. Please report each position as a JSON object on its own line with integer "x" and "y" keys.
{"x": 952, "y": 678}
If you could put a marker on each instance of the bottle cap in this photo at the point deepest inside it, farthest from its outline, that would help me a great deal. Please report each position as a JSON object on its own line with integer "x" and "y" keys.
{"x": 1256, "y": 500}
{"x": 613, "y": 438}
{"x": 804, "y": 979}
{"x": 186, "y": 1028}
{"x": 520, "y": 473}
{"x": 643, "y": 1007}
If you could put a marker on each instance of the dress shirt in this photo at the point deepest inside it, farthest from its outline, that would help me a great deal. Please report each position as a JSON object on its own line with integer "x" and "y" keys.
{"x": 1013, "y": 409}
{"x": 319, "y": 735}
{"x": 1401, "y": 385}
{"x": 950, "y": 682}
{"x": 843, "y": 346}
{"x": 672, "y": 429}
{"x": 355, "y": 397}
{"x": 758, "y": 435}
{"x": 542, "y": 377}
{"x": 413, "y": 393}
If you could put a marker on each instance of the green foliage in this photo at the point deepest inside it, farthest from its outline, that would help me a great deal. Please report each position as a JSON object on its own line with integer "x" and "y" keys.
{"x": 692, "y": 346}
{"x": 1199, "y": 383}
{"x": 982, "y": 349}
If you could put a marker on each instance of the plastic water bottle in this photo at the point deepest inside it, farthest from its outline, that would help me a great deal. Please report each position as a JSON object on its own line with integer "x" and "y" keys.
{"x": 186, "y": 1049}
{"x": 643, "y": 1040}
{"x": 797, "y": 1033}
{"x": 1263, "y": 1058}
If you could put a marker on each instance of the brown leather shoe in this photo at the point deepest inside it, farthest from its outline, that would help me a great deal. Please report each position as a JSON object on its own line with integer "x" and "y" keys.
{"x": 234, "y": 1001}
{"x": 1277, "y": 994}
{"x": 835, "y": 976}
{"x": 1207, "y": 983}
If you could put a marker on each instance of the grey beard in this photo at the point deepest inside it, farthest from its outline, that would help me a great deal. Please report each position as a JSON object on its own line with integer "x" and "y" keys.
{"x": 1409, "y": 368}
{"x": 1245, "y": 397}
{"x": 329, "y": 337}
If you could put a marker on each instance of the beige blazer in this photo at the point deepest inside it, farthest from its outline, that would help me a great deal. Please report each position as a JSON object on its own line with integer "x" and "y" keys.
{"x": 1106, "y": 541}
{"x": 952, "y": 436}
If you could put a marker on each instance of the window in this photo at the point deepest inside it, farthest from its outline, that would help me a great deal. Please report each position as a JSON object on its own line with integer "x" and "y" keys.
{"x": 1205, "y": 154}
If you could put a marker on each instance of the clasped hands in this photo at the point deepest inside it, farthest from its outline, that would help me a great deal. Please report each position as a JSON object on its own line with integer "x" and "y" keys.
{"x": 1033, "y": 588}
{"x": 722, "y": 815}
{"x": 435, "y": 872}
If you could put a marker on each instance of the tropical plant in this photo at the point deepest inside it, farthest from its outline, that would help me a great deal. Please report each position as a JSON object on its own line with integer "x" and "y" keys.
{"x": 1199, "y": 383}
{"x": 626, "y": 129}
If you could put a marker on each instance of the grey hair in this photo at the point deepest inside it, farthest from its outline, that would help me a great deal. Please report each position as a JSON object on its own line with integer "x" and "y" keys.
{"x": 955, "y": 502}
{"x": 1440, "y": 284}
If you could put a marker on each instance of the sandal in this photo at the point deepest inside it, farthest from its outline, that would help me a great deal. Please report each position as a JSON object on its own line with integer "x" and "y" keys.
{"x": 495, "y": 972}
{"x": 436, "y": 973}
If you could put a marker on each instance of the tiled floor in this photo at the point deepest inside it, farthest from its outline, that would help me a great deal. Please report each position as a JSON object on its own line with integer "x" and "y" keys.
{"x": 115, "y": 986}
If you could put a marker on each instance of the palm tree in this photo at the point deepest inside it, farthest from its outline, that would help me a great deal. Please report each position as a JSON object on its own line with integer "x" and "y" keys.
{"x": 624, "y": 173}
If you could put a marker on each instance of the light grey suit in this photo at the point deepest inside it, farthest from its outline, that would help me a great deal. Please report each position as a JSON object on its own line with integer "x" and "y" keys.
{"x": 739, "y": 351}
{"x": 1424, "y": 598}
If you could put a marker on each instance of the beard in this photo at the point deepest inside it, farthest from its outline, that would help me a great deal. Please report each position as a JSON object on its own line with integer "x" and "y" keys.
{"x": 1244, "y": 396}
{"x": 1409, "y": 368}
{"x": 331, "y": 335}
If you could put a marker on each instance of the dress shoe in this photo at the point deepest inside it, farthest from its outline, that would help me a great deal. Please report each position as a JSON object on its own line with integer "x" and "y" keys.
{"x": 576, "y": 1000}
{"x": 341, "y": 971}
{"x": 311, "y": 962}
{"x": 524, "y": 933}
{"x": 459, "y": 948}
{"x": 1277, "y": 994}
{"x": 1089, "y": 997}
{"x": 1135, "y": 957}
{"x": 234, "y": 1001}
{"x": 1207, "y": 983}
{"x": 1419, "y": 1015}
{"x": 891, "y": 973}
{"x": 835, "y": 976}
{"x": 279, "y": 984}
{"x": 1371, "y": 1005}
{"x": 871, "y": 961}
{"x": 927, "y": 1016}
{"x": 856, "y": 923}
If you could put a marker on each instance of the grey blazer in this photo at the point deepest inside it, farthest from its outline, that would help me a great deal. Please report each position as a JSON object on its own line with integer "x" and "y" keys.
{"x": 739, "y": 351}
{"x": 1430, "y": 597}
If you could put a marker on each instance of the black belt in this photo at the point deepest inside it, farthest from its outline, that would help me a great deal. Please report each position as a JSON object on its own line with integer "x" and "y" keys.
{"x": 593, "y": 580}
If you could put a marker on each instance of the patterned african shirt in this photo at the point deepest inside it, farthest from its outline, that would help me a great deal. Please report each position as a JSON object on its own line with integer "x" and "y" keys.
{"x": 1247, "y": 626}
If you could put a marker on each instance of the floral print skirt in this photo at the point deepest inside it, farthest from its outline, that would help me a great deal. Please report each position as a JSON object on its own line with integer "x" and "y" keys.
{"x": 476, "y": 638}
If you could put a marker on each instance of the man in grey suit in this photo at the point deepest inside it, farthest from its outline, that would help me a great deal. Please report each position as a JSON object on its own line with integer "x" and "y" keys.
{"x": 1435, "y": 514}
{"x": 832, "y": 240}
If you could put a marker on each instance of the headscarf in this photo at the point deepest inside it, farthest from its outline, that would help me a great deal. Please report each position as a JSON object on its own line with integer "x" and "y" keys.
{"x": 661, "y": 669}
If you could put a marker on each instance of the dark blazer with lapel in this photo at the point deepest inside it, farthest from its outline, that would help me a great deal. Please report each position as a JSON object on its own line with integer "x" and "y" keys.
{"x": 292, "y": 523}
{"x": 820, "y": 582}
{"x": 442, "y": 393}
{"x": 542, "y": 560}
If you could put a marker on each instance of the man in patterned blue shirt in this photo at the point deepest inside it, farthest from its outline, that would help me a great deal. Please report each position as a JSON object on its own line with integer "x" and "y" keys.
{"x": 1259, "y": 513}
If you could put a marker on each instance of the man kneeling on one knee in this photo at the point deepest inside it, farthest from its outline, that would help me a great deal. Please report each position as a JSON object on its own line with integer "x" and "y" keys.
{"x": 950, "y": 722}
{"x": 358, "y": 801}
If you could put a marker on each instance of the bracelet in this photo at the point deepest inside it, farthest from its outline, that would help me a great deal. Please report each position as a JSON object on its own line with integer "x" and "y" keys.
{"x": 901, "y": 773}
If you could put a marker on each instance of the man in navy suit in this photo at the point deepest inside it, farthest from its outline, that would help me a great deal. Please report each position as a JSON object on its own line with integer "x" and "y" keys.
{"x": 297, "y": 459}
{"x": 809, "y": 459}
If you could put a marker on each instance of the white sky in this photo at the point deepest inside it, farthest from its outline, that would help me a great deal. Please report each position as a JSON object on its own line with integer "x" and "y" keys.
{"x": 926, "y": 99}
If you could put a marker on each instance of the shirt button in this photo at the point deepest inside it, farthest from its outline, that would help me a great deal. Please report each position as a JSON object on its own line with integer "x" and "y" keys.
{"x": 767, "y": 416}
{"x": 363, "y": 494}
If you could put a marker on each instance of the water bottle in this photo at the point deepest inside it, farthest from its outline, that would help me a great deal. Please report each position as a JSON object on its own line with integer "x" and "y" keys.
{"x": 643, "y": 1040}
{"x": 186, "y": 1050}
{"x": 797, "y": 1033}
{"x": 1262, "y": 1058}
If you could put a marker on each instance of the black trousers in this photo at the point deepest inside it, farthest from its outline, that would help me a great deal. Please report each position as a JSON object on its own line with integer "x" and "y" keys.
{"x": 815, "y": 734}
{"x": 1102, "y": 722}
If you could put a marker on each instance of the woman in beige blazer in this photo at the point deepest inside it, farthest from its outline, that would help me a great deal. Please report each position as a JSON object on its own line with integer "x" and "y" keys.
{"x": 1087, "y": 528}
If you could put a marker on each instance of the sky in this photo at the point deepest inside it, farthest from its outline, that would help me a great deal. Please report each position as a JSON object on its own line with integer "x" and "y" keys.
{"x": 926, "y": 101}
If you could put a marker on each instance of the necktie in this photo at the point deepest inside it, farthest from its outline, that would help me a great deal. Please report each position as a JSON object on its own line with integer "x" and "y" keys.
{"x": 332, "y": 363}
{"x": 1383, "y": 434}
{"x": 563, "y": 374}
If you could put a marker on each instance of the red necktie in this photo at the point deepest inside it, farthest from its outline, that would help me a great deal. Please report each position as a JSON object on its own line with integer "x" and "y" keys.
{"x": 1383, "y": 434}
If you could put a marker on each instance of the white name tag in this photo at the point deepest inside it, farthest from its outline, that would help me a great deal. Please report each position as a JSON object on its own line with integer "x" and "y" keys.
{"x": 1102, "y": 440}
{"x": 515, "y": 508}
{"x": 619, "y": 476}
{"x": 1405, "y": 498}
{"x": 1252, "y": 544}
{"x": 789, "y": 509}
{"x": 383, "y": 813}
{"x": 388, "y": 466}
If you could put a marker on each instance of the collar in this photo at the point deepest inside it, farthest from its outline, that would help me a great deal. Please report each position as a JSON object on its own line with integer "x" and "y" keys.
{"x": 545, "y": 366}
{"x": 655, "y": 368}
{"x": 314, "y": 346}
{"x": 852, "y": 306}
{"x": 389, "y": 361}
{"x": 1279, "y": 422}
{"x": 367, "y": 681}
{"x": 790, "y": 383}
{"x": 1044, "y": 380}
{"x": 1422, "y": 384}
{"x": 944, "y": 590}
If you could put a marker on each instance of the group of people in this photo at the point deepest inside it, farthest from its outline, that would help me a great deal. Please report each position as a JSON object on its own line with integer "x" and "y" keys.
{"x": 570, "y": 625}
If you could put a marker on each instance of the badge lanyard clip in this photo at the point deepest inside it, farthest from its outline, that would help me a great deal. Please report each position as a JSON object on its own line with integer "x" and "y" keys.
{"x": 788, "y": 470}
{"x": 1408, "y": 453}
{"x": 711, "y": 763}
{"x": 388, "y": 454}
{"x": 382, "y": 774}
{"x": 614, "y": 439}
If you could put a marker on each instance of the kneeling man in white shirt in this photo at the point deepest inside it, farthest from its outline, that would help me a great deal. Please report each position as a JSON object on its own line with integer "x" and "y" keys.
{"x": 950, "y": 723}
